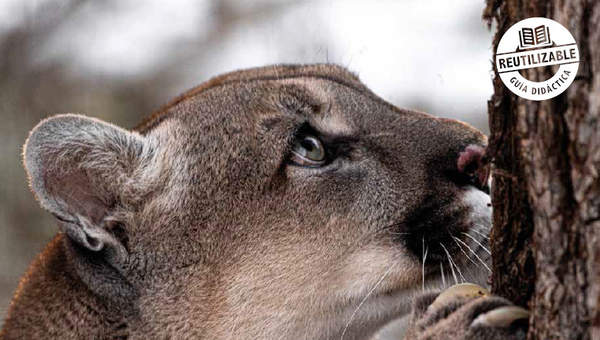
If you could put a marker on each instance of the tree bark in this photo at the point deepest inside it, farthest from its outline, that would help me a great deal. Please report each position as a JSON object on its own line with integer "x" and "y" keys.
{"x": 545, "y": 156}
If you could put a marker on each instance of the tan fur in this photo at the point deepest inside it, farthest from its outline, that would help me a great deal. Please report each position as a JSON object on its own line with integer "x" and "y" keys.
{"x": 207, "y": 232}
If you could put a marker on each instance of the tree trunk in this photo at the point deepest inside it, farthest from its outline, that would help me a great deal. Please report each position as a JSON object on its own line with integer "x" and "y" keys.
{"x": 546, "y": 170}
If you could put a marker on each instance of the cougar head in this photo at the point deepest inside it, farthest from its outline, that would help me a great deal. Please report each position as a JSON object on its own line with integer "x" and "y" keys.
{"x": 279, "y": 202}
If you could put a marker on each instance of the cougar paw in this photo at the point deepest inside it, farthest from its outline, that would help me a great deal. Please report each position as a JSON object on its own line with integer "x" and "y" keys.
{"x": 466, "y": 312}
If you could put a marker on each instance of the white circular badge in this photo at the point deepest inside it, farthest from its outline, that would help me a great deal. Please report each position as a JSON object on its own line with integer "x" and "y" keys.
{"x": 537, "y": 42}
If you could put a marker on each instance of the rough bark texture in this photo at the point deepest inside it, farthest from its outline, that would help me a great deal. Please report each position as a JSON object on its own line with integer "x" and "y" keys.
{"x": 546, "y": 163}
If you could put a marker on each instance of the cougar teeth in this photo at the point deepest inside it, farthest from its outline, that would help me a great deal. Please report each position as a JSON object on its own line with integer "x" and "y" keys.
{"x": 501, "y": 317}
{"x": 461, "y": 290}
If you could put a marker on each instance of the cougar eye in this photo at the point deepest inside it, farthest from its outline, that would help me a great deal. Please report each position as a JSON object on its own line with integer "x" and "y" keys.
{"x": 308, "y": 151}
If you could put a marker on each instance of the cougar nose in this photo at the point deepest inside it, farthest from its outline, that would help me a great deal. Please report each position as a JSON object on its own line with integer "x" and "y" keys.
{"x": 473, "y": 167}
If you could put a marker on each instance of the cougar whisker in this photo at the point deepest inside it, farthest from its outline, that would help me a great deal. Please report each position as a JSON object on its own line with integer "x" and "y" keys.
{"x": 455, "y": 264}
{"x": 463, "y": 251}
{"x": 458, "y": 269}
{"x": 443, "y": 275}
{"x": 480, "y": 233}
{"x": 423, "y": 265}
{"x": 479, "y": 243}
{"x": 483, "y": 228}
{"x": 450, "y": 262}
{"x": 365, "y": 299}
{"x": 474, "y": 253}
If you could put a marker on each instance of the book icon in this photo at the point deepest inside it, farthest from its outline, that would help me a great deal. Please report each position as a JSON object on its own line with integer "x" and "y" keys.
{"x": 534, "y": 37}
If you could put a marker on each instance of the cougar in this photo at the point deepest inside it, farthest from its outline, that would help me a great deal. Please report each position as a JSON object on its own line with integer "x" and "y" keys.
{"x": 282, "y": 202}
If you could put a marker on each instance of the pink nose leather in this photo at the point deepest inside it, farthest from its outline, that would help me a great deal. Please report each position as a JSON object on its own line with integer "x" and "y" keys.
{"x": 471, "y": 162}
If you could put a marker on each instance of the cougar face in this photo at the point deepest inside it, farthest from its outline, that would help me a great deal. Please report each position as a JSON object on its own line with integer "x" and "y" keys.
{"x": 281, "y": 202}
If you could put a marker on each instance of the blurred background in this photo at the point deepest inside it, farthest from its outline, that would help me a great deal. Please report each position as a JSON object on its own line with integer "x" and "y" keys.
{"x": 120, "y": 59}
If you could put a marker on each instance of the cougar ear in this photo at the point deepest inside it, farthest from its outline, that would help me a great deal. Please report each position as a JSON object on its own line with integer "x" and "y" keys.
{"x": 78, "y": 169}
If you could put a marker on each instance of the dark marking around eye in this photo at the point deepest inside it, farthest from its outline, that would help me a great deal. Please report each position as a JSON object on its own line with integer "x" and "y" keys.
{"x": 334, "y": 146}
{"x": 270, "y": 123}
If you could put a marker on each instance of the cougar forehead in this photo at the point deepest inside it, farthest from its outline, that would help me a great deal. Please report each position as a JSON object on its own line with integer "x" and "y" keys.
{"x": 275, "y": 72}
{"x": 249, "y": 244}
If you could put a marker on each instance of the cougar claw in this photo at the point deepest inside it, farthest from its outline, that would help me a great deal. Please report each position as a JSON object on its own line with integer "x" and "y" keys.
{"x": 501, "y": 317}
{"x": 464, "y": 290}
